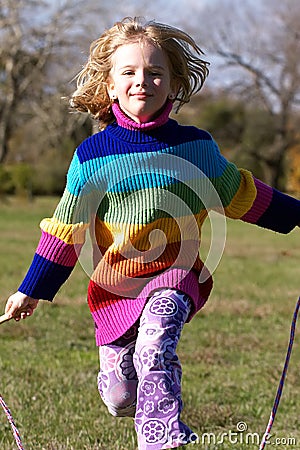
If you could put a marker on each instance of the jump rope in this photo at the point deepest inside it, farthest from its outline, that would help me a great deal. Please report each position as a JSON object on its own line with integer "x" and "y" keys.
{"x": 266, "y": 435}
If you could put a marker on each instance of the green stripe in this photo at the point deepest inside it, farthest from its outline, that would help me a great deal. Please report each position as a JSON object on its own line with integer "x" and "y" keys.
{"x": 147, "y": 205}
{"x": 231, "y": 180}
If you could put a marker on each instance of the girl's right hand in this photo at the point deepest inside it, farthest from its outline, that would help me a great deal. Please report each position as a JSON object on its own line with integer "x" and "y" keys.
{"x": 19, "y": 306}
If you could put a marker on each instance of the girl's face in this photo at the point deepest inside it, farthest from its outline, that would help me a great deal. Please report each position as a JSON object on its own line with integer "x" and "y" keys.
{"x": 140, "y": 80}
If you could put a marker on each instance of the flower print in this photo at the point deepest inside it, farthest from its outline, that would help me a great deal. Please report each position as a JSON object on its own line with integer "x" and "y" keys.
{"x": 148, "y": 407}
{"x": 177, "y": 374}
{"x": 151, "y": 332}
{"x": 148, "y": 387}
{"x": 166, "y": 405}
{"x": 131, "y": 333}
{"x": 178, "y": 437}
{"x": 102, "y": 381}
{"x": 163, "y": 306}
{"x": 125, "y": 369}
{"x": 150, "y": 356}
{"x": 164, "y": 385}
{"x": 154, "y": 431}
{"x": 174, "y": 329}
{"x": 107, "y": 358}
{"x": 169, "y": 357}
{"x": 136, "y": 362}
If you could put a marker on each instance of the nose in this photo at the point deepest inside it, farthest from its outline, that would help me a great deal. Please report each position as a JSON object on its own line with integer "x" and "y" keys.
{"x": 141, "y": 79}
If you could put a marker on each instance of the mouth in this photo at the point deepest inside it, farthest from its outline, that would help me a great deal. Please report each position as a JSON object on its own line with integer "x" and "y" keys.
{"x": 141, "y": 95}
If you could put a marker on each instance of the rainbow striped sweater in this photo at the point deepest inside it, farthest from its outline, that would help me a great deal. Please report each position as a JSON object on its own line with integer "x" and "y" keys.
{"x": 143, "y": 193}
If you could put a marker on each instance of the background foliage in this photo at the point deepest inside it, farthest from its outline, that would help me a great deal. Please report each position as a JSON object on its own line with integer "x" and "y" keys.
{"x": 250, "y": 102}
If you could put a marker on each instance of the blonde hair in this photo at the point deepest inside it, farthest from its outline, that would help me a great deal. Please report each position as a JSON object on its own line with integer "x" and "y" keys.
{"x": 188, "y": 71}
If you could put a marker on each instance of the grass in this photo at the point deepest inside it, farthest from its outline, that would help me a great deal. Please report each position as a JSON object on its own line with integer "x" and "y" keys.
{"x": 232, "y": 352}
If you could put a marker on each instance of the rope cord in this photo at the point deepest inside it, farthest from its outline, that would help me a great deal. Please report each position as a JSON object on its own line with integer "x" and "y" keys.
{"x": 12, "y": 424}
{"x": 282, "y": 379}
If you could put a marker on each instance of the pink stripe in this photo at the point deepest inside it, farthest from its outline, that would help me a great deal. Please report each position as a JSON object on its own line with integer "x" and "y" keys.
{"x": 261, "y": 203}
{"x": 57, "y": 251}
{"x": 125, "y": 311}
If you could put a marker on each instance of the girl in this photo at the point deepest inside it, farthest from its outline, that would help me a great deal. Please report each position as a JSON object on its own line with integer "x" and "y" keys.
{"x": 143, "y": 186}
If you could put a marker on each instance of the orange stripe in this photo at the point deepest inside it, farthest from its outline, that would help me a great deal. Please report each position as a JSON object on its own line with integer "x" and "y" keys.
{"x": 175, "y": 230}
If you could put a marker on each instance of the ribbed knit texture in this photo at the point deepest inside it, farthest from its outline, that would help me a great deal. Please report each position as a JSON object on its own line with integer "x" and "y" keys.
{"x": 135, "y": 188}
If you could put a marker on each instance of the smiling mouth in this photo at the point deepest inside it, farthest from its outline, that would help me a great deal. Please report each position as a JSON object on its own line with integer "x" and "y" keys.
{"x": 141, "y": 95}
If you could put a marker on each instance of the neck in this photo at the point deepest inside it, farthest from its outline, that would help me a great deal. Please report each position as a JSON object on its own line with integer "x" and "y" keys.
{"x": 124, "y": 121}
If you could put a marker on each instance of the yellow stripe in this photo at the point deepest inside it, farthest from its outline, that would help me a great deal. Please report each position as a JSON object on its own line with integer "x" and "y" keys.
{"x": 170, "y": 230}
{"x": 70, "y": 234}
{"x": 244, "y": 197}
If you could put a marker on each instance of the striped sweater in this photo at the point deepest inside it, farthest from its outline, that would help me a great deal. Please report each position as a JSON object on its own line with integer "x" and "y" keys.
{"x": 143, "y": 192}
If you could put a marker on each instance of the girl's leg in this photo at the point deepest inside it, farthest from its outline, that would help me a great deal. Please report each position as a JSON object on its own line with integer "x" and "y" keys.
{"x": 117, "y": 379}
{"x": 159, "y": 403}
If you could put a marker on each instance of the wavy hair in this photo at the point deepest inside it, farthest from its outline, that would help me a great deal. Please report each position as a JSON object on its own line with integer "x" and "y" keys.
{"x": 187, "y": 69}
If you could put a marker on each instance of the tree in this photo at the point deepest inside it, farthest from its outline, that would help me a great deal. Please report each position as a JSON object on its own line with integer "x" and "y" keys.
{"x": 260, "y": 49}
{"x": 34, "y": 40}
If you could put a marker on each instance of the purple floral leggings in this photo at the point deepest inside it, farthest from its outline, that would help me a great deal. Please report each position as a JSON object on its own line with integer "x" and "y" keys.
{"x": 140, "y": 373}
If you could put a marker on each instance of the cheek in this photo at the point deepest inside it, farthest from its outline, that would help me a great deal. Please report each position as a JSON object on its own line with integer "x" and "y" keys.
{"x": 162, "y": 85}
{"x": 123, "y": 87}
{"x": 158, "y": 82}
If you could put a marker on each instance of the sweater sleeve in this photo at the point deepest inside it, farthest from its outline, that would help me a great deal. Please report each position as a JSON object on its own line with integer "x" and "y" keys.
{"x": 246, "y": 198}
{"x": 62, "y": 237}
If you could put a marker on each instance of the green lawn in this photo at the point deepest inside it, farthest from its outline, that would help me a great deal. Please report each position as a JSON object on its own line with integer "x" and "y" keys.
{"x": 232, "y": 352}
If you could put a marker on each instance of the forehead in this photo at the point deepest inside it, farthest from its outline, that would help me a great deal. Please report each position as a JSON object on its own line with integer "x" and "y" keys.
{"x": 139, "y": 53}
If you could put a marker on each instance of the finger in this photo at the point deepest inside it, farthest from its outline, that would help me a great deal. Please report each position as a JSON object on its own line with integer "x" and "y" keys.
{"x": 12, "y": 310}
{"x": 18, "y": 315}
{"x": 29, "y": 311}
{"x": 8, "y": 307}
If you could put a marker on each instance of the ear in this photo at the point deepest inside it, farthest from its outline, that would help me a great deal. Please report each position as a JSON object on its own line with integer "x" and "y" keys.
{"x": 111, "y": 90}
{"x": 173, "y": 91}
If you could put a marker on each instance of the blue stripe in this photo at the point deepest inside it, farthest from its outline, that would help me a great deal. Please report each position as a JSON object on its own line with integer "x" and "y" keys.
{"x": 115, "y": 140}
{"x": 282, "y": 215}
{"x": 74, "y": 184}
{"x": 114, "y": 173}
{"x": 44, "y": 278}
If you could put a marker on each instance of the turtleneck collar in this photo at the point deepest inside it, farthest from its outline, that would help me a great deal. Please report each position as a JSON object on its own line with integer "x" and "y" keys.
{"x": 126, "y": 122}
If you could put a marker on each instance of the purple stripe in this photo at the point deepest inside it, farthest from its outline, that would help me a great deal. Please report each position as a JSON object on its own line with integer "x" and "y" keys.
{"x": 55, "y": 250}
{"x": 261, "y": 203}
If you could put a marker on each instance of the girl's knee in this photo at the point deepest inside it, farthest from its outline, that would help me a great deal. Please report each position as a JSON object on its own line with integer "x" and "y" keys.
{"x": 116, "y": 411}
{"x": 120, "y": 397}
{"x": 120, "y": 407}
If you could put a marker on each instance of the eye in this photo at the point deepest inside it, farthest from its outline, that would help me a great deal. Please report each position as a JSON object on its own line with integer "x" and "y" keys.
{"x": 128, "y": 72}
{"x": 155, "y": 73}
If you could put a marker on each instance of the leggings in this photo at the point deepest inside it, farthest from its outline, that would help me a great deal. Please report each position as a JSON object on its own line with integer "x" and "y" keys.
{"x": 140, "y": 373}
